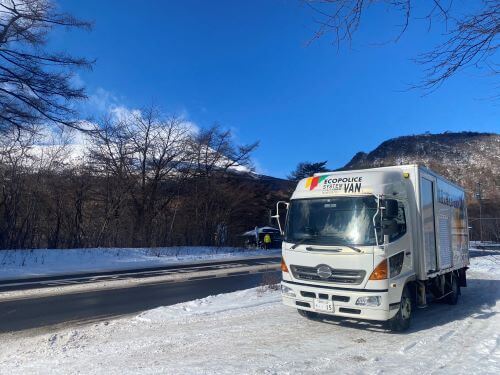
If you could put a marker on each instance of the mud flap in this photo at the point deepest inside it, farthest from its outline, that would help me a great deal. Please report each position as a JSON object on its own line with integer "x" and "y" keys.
{"x": 462, "y": 278}
{"x": 421, "y": 295}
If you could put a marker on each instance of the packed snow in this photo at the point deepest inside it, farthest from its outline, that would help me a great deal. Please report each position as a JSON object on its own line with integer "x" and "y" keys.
{"x": 489, "y": 264}
{"x": 251, "y": 332}
{"x": 17, "y": 264}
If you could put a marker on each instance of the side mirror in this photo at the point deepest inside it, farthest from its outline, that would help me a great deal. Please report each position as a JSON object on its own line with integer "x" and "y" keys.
{"x": 391, "y": 209}
{"x": 277, "y": 216}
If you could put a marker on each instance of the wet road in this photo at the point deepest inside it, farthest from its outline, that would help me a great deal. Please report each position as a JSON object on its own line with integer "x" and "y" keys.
{"x": 87, "y": 306}
{"x": 140, "y": 273}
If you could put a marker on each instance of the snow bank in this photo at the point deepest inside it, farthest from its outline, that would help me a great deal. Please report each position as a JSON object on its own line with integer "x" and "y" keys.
{"x": 16, "y": 264}
{"x": 212, "y": 305}
{"x": 489, "y": 264}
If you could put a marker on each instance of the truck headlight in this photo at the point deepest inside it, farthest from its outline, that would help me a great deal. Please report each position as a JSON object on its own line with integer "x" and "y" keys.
{"x": 286, "y": 291}
{"x": 368, "y": 301}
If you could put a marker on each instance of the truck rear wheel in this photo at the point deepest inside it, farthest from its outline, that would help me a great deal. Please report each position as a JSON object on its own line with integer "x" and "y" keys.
{"x": 308, "y": 314}
{"x": 401, "y": 321}
{"x": 453, "y": 289}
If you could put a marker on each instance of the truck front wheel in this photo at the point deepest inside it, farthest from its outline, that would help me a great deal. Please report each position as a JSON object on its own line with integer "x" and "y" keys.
{"x": 401, "y": 321}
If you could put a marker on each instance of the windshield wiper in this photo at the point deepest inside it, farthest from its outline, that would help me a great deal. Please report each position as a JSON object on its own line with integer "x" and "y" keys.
{"x": 301, "y": 241}
{"x": 349, "y": 246}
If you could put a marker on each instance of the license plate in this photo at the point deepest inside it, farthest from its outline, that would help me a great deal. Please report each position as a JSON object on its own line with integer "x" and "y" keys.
{"x": 323, "y": 305}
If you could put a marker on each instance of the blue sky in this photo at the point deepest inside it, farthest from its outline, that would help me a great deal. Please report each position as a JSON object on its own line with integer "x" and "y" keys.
{"x": 247, "y": 66}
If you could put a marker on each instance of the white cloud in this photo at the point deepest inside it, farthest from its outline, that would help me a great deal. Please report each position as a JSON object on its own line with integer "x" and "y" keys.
{"x": 101, "y": 101}
{"x": 122, "y": 113}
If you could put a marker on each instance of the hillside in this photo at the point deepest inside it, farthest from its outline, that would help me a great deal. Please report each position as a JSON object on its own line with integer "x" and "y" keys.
{"x": 465, "y": 158}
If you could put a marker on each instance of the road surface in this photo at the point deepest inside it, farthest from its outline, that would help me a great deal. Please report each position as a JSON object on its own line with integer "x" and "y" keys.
{"x": 31, "y": 312}
{"x": 140, "y": 273}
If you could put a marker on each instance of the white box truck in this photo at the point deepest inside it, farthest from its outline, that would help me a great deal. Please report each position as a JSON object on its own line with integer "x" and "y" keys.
{"x": 374, "y": 243}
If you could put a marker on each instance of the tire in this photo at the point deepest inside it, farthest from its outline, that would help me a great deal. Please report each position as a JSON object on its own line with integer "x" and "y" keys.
{"x": 308, "y": 314}
{"x": 401, "y": 321}
{"x": 454, "y": 289}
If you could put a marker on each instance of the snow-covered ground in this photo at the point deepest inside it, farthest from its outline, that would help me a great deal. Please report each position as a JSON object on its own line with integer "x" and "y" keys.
{"x": 251, "y": 332}
{"x": 486, "y": 264}
{"x": 16, "y": 264}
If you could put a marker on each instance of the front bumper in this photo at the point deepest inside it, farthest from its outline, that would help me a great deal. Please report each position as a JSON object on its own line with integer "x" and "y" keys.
{"x": 344, "y": 301}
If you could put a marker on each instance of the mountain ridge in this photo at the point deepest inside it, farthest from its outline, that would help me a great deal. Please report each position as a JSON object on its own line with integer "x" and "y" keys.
{"x": 469, "y": 159}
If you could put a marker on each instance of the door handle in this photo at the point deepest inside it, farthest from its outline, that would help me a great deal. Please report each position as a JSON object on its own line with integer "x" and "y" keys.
{"x": 407, "y": 253}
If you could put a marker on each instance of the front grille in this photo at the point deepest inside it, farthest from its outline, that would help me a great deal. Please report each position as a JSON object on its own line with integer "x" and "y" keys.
{"x": 352, "y": 277}
{"x": 349, "y": 311}
{"x": 340, "y": 298}
{"x": 337, "y": 298}
{"x": 308, "y": 294}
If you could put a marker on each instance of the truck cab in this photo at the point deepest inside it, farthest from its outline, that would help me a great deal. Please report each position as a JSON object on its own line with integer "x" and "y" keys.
{"x": 352, "y": 245}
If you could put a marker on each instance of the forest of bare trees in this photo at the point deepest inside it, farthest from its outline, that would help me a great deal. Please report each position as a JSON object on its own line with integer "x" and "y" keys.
{"x": 137, "y": 180}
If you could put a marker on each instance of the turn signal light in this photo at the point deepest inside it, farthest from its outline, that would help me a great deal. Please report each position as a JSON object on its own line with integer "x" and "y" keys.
{"x": 380, "y": 272}
{"x": 284, "y": 268}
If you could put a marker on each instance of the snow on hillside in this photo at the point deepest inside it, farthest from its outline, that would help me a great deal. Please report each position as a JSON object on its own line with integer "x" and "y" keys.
{"x": 16, "y": 264}
{"x": 251, "y": 332}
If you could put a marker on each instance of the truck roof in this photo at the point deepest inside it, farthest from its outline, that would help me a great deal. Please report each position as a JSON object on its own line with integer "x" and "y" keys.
{"x": 403, "y": 166}
{"x": 379, "y": 180}
{"x": 392, "y": 167}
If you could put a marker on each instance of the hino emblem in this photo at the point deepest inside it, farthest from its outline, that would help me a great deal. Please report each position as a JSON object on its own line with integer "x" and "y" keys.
{"x": 324, "y": 271}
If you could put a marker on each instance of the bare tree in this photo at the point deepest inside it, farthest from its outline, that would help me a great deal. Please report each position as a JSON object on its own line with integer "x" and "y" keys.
{"x": 14, "y": 155}
{"x": 213, "y": 150}
{"x": 213, "y": 155}
{"x": 24, "y": 167}
{"x": 142, "y": 157}
{"x": 471, "y": 39}
{"x": 110, "y": 158}
{"x": 159, "y": 145}
{"x": 36, "y": 86}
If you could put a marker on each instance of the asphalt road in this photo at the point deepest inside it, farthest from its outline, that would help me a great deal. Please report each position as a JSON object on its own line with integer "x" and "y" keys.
{"x": 140, "y": 273}
{"x": 83, "y": 307}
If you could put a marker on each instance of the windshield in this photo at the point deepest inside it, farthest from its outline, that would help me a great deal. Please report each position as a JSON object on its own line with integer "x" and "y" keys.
{"x": 332, "y": 221}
